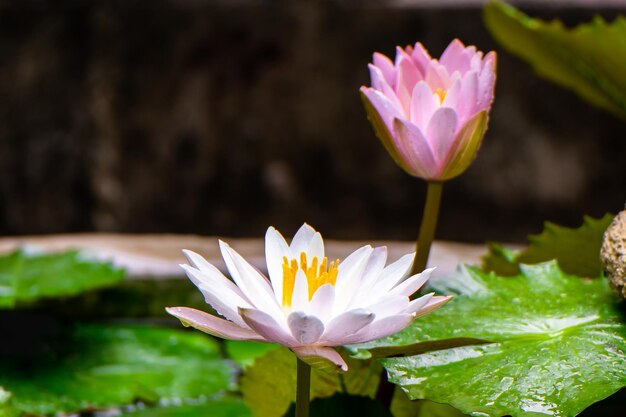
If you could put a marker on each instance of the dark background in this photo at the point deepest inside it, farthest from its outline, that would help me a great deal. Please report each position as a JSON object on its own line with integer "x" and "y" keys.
{"x": 225, "y": 117}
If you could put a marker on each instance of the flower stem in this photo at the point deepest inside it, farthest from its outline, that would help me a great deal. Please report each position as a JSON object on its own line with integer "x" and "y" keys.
{"x": 303, "y": 388}
{"x": 428, "y": 226}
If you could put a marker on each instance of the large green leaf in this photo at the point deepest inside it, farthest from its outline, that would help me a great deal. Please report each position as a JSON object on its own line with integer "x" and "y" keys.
{"x": 588, "y": 59}
{"x": 576, "y": 250}
{"x": 26, "y": 278}
{"x": 98, "y": 366}
{"x": 269, "y": 385}
{"x": 557, "y": 344}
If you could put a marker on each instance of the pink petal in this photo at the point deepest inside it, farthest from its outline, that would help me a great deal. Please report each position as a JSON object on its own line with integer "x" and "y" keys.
{"x": 386, "y": 67}
{"x": 455, "y": 57}
{"x": 384, "y": 105}
{"x": 421, "y": 58}
{"x": 486, "y": 82}
{"x": 267, "y": 327}
{"x": 346, "y": 324}
{"x": 381, "y": 113}
{"x": 412, "y": 284}
{"x": 408, "y": 75}
{"x": 315, "y": 356}
{"x": 467, "y": 105}
{"x": 437, "y": 76}
{"x": 211, "y": 324}
{"x": 423, "y": 105}
{"x": 416, "y": 150}
{"x": 305, "y": 329}
{"x": 453, "y": 96}
{"x": 440, "y": 131}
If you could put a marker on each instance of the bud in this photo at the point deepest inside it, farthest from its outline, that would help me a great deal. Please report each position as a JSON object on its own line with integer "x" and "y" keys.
{"x": 613, "y": 253}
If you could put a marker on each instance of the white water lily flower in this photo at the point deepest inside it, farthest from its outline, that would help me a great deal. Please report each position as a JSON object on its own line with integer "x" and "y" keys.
{"x": 308, "y": 304}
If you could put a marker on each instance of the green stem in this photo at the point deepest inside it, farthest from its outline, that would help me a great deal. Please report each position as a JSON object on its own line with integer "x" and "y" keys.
{"x": 303, "y": 389}
{"x": 428, "y": 226}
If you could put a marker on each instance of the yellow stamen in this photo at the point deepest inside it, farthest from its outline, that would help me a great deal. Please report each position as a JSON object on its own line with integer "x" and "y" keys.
{"x": 316, "y": 275}
{"x": 442, "y": 94}
{"x": 289, "y": 279}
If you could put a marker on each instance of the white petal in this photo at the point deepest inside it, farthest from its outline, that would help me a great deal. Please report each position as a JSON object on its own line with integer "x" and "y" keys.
{"x": 199, "y": 262}
{"x": 225, "y": 299}
{"x": 267, "y": 326}
{"x": 393, "y": 274}
{"x": 376, "y": 264}
{"x": 212, "y": 325}
{"x": 276, "y": 249}
{"x": 389, "y": 306}
{"x": 381, "y": 328}
{"x": 433, "y": 304}
{"x": 301, "y": 240}
{"x": 322, "y": 303}
{"x": 251, "y": 282}
{"x": 349, "y": 275}
{"x": 222, "y": 299}
{"x": 305, "y": 329}
{"x": 411, "y": 284}
{"x": 300, "y": 297}
{"x": 315, "y": 356}
{"x": 416, "y": 305}
{"x": 345, "y": 325}
{"x": 315, "y": 248}
{"x": 374, "y": 268}
{"x": 211, "y": 279}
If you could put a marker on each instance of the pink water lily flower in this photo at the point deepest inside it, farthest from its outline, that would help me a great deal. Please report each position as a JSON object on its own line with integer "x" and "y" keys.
{"x": 308, "y": 304}
{"x": 431, "y": 115}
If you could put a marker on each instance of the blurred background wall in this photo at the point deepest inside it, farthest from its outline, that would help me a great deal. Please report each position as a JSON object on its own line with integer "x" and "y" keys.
{"x": 225, "y": 117}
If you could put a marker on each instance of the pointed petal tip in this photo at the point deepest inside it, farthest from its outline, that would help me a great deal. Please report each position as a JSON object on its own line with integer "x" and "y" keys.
{"x": 321, "y": 357}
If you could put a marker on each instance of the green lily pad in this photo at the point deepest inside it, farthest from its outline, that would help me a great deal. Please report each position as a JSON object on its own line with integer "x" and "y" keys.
{"x": 100, "y": 366}
{"x": 588, "y": 59}
{"x": 557, "y": 344}
{"x": 269, "y": 385}
{"x": 26, "y": 278}
{"x": 222, "y": 406}
{"x": 576, "y": 250}
{"x": 245, "y": 352}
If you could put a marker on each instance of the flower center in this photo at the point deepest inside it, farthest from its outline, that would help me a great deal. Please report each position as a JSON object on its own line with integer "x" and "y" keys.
{"x": 442, "y": 94}
{"x": 316, "y": 275}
